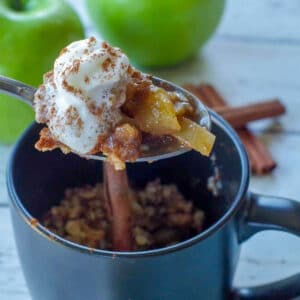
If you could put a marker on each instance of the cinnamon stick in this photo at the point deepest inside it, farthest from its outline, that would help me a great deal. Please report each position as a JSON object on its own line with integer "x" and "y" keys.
{"x": 260, "y": 158}
{"x": 117, "y": 196}
{"x": 241, "y": 115}
{"x": 199, "y": 93}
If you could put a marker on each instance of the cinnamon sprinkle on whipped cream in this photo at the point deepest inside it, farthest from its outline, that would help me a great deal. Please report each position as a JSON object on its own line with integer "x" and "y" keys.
{"x": 80, "y": 99}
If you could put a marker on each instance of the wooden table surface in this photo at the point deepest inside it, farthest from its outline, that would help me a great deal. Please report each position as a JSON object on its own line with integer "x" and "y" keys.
{"x": 254, "y": 55}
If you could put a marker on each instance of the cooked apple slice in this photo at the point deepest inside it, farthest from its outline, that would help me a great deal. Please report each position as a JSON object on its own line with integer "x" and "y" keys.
{"x": 194, "y": 136}
{"x": 156, "y": 114}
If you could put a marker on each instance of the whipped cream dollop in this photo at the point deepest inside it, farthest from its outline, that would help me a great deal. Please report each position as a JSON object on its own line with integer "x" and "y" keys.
{"x": 80, "y": 99}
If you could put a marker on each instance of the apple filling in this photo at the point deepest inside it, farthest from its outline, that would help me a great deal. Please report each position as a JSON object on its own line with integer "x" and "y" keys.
{"x": 94, "y": 101}
{"x": 149, "y": 111}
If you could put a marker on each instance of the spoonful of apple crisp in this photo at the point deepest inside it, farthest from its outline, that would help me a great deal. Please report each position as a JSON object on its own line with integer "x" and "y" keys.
{"x": 95, "y": 104}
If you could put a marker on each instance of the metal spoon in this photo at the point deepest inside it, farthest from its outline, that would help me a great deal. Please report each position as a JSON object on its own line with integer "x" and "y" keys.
{"x": 26, "y": 93}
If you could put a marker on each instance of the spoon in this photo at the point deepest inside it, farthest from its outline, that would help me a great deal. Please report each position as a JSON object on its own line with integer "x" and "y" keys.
{"x": 26, "y": 93}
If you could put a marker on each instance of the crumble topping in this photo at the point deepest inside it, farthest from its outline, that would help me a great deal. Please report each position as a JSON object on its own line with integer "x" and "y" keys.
{"x": 162, "y": 216}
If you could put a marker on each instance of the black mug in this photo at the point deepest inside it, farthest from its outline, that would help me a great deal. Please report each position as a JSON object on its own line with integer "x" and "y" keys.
{"x": 199, "y": 268}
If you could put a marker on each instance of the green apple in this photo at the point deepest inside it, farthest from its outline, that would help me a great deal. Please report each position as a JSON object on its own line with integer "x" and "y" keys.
{"x": 32, "y": 32}
{"x": 156, "y": 33}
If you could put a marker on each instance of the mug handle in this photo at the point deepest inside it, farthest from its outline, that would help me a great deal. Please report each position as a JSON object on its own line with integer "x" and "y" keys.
{"x": 263, "y": 213}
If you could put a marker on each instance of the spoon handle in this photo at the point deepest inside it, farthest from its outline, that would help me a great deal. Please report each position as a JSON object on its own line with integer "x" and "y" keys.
{"x": 17, "y": 89}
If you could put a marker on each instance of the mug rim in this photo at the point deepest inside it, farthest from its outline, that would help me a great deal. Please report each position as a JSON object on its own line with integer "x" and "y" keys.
{"x": 52, "y": 237}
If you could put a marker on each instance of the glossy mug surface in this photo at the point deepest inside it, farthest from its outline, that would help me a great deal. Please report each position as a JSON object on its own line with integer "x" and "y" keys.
{"x": 199, "y": 268}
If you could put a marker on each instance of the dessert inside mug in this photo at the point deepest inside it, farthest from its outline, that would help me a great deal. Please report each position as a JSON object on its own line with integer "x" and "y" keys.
{"x": 95, "y": 101}
{"x": 161, "y": 216}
